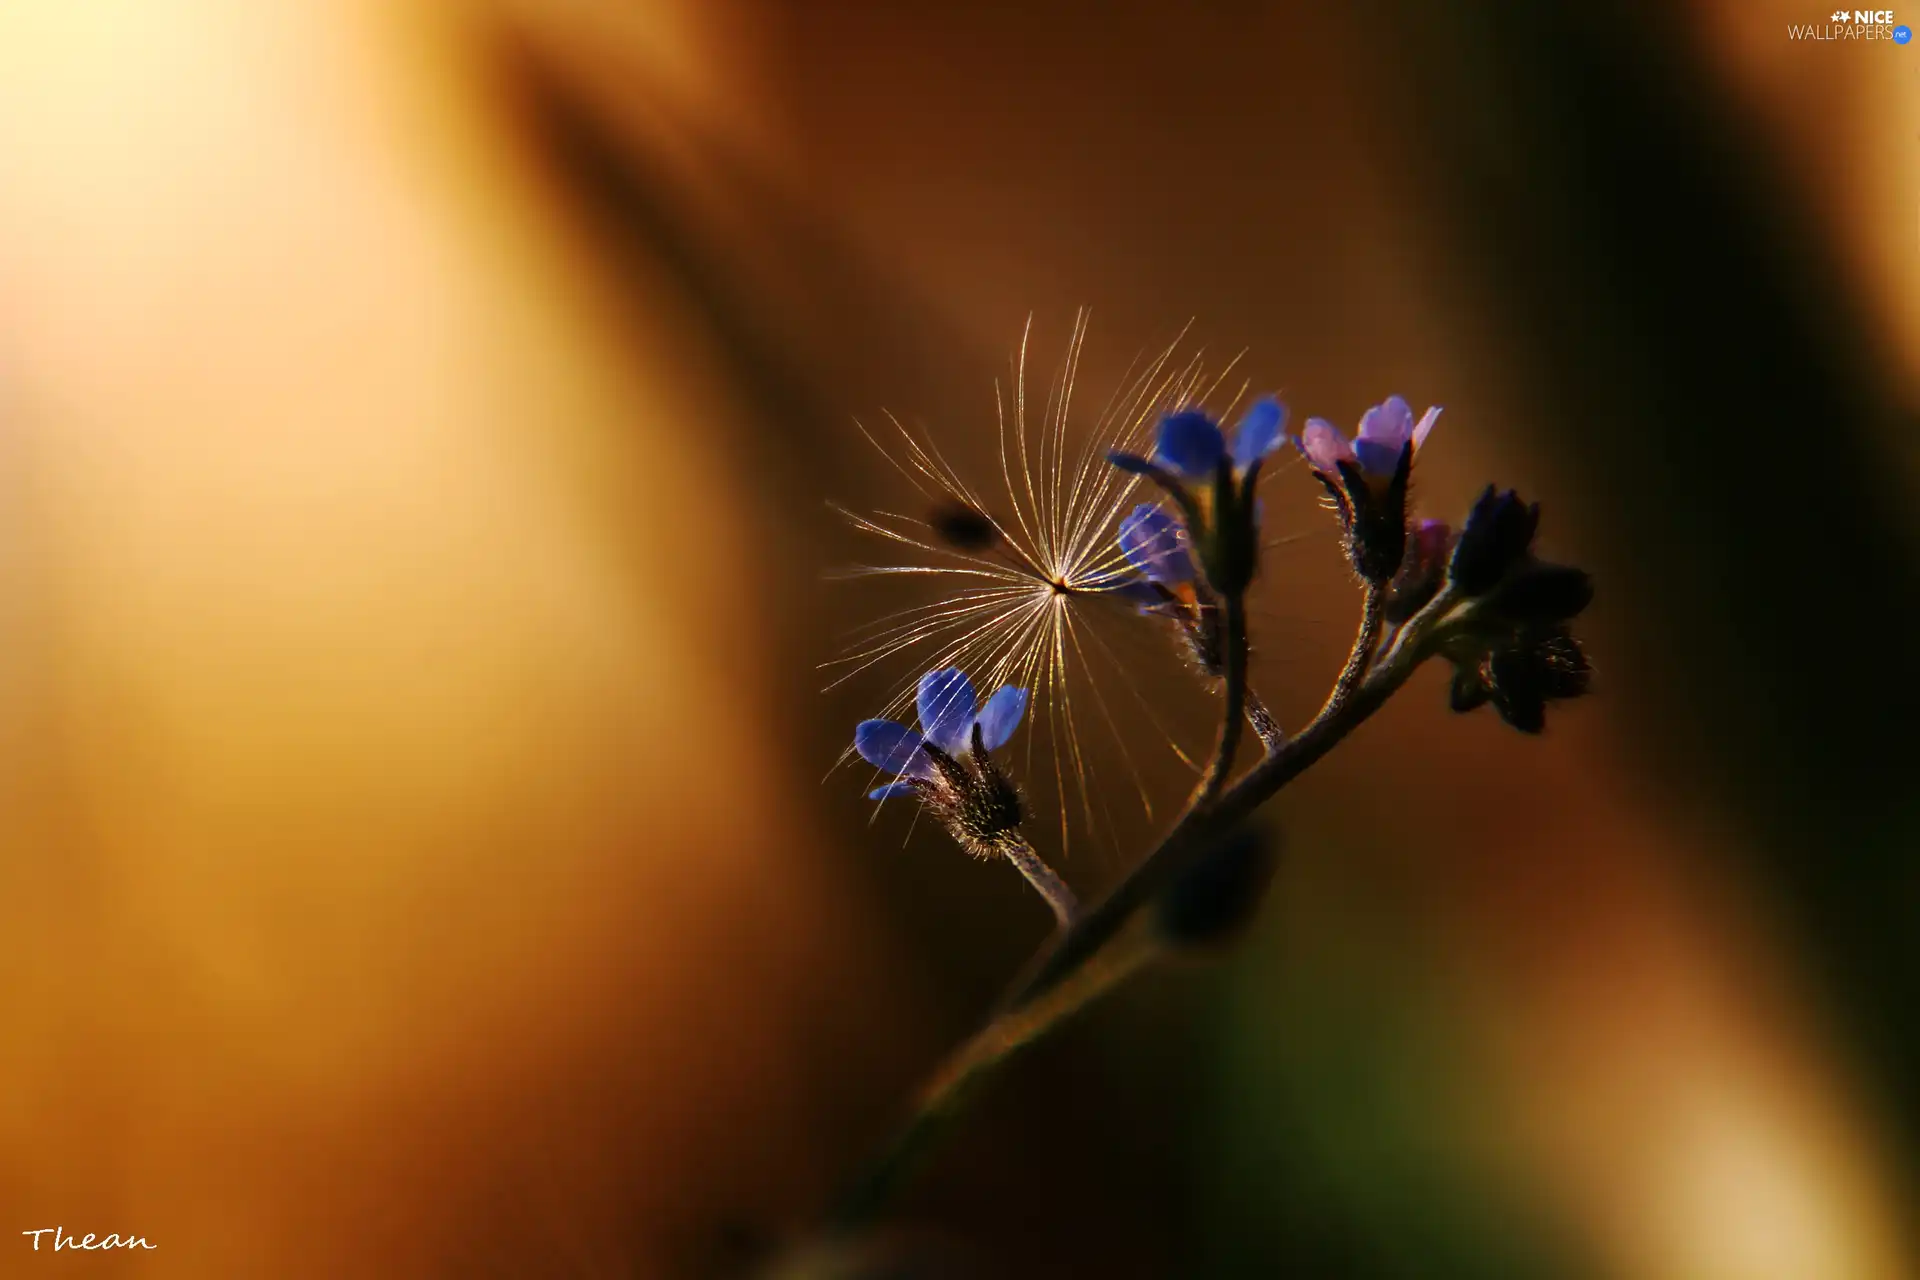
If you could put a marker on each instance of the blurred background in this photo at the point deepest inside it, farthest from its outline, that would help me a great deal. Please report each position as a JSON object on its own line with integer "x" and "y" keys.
{"x": 416, "y": 423}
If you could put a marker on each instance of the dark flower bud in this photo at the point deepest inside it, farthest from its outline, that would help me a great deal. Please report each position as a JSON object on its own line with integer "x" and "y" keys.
{"x": 1494, "y": 540}
{"x": 1220, "y": 893}
{"x": 1542, "y": 593}
{"x": 1520, "y": 674}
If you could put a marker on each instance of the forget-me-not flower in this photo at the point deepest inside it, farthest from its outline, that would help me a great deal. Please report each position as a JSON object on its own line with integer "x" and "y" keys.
{"x": 1367, "y": 479}
{"x": 950, "y": 719}
{"x": 1191, "y": 444}
{"x": 1211, "y": 479}
{"x": 1385, "y": 432}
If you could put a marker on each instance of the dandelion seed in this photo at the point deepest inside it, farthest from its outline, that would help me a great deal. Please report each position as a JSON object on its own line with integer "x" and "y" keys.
{"x": 1036, "y": 592}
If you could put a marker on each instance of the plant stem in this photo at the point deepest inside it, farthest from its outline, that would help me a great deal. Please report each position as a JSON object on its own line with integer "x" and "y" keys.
{"x": 1235, "y": 610}
{"x": 1099, "y": 948}
{"x": 1346, "y": 706}
{"x": 1358, "y": 657}
{"x": 1272, "y": 736}
{"x": 1041, "y": 876}
{"x": 943, "y": 1097}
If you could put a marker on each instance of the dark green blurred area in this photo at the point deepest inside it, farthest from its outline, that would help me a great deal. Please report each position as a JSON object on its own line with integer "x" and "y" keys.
{"x": 1344, "y": 1133}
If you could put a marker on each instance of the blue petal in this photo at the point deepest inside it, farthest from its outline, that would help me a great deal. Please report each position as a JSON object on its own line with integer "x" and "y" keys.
{"x": 1192, "y": 444}
{"x": 1259, "y": 432}
{"x": 946, "y": 709}
{"x": 1001, "y": 716}
{"x": 892, "y": 748}
{"x": 1131, "y": 462}
{"x": 1377, "y": 458}
{"x": 899, "y": 787}
{"x": 1151, "y": 541}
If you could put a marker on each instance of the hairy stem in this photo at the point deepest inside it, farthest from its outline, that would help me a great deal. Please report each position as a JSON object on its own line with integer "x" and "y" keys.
{"x": 1234, "y": 609}
{"x": 1041, "y": 876}
{"x": 1272, "y": 736}
{"x": 1360, "y": 655}
{"x": 1110, "y": 940}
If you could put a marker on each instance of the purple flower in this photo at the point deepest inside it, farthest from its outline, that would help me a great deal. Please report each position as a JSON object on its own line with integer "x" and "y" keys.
{"x": 948, "y": 718}
{"x": 1385, "y": 431}
{"x": 1191, "y": 444}
{"x": 1155, "y": 544}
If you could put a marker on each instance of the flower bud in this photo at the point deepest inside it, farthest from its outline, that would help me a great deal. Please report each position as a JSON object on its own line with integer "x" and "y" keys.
{"x": 1216, "y": 896}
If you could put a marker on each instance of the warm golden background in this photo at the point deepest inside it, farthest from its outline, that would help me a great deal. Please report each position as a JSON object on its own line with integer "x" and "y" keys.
{"x": 415, "y": 421}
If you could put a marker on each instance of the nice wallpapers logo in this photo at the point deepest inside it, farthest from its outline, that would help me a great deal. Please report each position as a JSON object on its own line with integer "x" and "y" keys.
{"x": 1853, "y": 24}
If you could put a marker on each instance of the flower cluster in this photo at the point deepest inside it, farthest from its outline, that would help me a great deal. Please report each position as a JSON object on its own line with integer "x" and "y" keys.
{"x": 1480, "y": 598}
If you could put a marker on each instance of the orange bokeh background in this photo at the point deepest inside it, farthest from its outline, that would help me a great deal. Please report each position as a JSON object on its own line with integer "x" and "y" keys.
{"x": 415, "y": 421}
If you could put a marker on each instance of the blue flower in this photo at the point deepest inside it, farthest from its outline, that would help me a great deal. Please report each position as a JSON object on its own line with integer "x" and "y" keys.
{"x": 948, "y": 718}
{"x": 1191, "y": 444}
{"x": 1155, "y": 544}
{"x": 1385, "y": 431}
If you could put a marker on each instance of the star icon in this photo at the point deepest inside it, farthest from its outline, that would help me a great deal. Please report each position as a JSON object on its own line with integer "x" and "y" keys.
{"x": 1841, "y": 15}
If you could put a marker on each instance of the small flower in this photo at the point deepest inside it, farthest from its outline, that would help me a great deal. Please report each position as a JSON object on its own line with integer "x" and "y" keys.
{"x": 1191, "y": 444}
{"x": 948, "y": 720}
{"x": 1367, "y": 479}
{"x": 1212, "y": 481}
{"x": 948, "y": 764}
{"x": 1155, "y": 545}
{"x": 1385, "y": 432}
